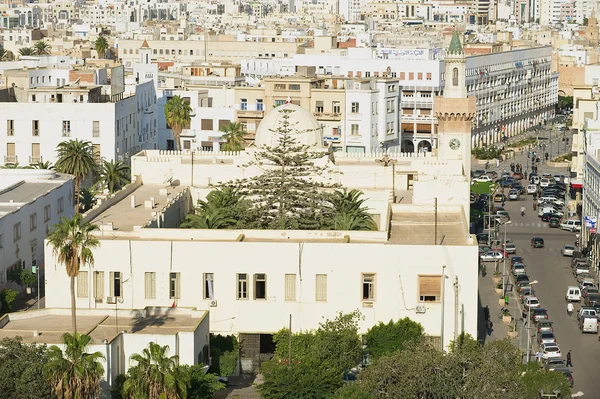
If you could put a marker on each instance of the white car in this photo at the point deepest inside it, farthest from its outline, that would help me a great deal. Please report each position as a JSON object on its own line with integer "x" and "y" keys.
{"x": 549, "y": 209}
{"x": 513, "y": 195}
{"x": 531, "y": 189}
{"x": 535, "y": 180}
{"x": 571, "y": 225}
{"x": 545, "y": 182}
{"x": 483, "y": 179}
{"x": 567, "y": 250}
{"x": 491, "y": 256}
{"x": 531, "y": 302}
{"x": 549, "y": 198}
{"x": 518, "y": 269}
{"x": 550, "y": 350}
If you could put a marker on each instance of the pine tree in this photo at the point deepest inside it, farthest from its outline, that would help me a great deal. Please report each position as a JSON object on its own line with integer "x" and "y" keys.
{"x": 287, "y": 195}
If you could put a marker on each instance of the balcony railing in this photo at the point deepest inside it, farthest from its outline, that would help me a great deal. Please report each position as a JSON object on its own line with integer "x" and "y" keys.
{"x": 10, "y": 132}
{"x": 66, "y": 132}
{"x": 35, "y": 132}
{"x": 33, "y": 160}
{"x": 327, "y": 116}
{"x": 11, "y": 159}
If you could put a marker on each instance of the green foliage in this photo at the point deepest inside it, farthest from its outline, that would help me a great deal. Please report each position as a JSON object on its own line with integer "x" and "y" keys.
{"x": 491, "y": 152}
{"x": 233, "y": 134}
{"x": 87, "y": 199}
{"x": 74, "y": 373}
{"x": 114, "y": 175}
{"x": 117, "y": 388}
{"x": 202, "y": 386}
{"x": 21, "y": 370}
{"x": 348, "y": 212}
{"x": 565, "y": 102}
{"x": 75, "y": 157}
{"x": 101, "y": 46}
{"x": 384, "y": 339}
{"x": 224, "y": 352}
{"x": 178, "y": 115}
{"x": 3, "y": 53}
{"x": 25, "y": 51}
{"x": 225, "y": 208}
{"x": 523, "y": 143}
{"x": 228, "y": 362}
{"x": 41, "y": 48}
{"x": 27, "y": 277}
{"x": 42, "y": 165}
{"x": 483, "y": 187}
{"x": 14, "y": 274}
{"x": 7, "y": 297}
{"x": 535, "y": 378}
{"x": 563, "y": 158}
{"x": 351, "y": 391}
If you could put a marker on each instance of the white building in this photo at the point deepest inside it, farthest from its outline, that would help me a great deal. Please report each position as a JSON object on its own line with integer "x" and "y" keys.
{"x": 31, "y": 202}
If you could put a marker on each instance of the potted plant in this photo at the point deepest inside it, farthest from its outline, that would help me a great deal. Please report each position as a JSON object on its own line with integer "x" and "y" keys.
{"x": 501, "y": 301}
{"x": 496, "y": 278}
{"x": 506, "y": 317}
{"x": 512, "y": 331}
{"x": 499, "y": 288}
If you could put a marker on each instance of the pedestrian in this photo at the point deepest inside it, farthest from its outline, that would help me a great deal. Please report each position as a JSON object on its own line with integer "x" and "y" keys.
{"x": 512, "y": 167}
{"x": 506, "y": 300}
{"x": 503, "y": 200}
{"x": 486, "y": 312}
{"x": 522, "y": 211}
{"x": 569, "y": 363}
{"x": 490, "y": 327}
{"x": 570, "y": 308}
{"x": 525, "y": 175}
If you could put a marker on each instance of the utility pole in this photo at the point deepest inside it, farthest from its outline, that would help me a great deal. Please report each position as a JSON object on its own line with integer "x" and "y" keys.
{"x": 435, "y": 222}
{"x": 443, "y": 306}
{"x": 455, "y": 307}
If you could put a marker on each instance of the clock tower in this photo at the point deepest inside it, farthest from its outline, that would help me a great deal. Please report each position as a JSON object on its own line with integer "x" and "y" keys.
{"x": 455, "y": 110}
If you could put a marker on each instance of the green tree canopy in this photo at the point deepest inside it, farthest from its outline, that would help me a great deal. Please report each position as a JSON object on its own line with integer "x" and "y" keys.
{"x": 114, "y": 175}
{"x": 178, "y": 116}
{"x": 225, "y": 208}
{"x": 21, "y": 369}
{"x": 233, "y": 134}
{"x": 41, "y": 47}
{"x": 26, "y": 51}
{"x": 101, "y": 46}
{"x": 384, "y": 339}
{"x": 75, "y": 157}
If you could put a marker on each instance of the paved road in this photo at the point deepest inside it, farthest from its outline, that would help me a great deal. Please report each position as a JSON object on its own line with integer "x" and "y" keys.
{"x": 554, "y": 274}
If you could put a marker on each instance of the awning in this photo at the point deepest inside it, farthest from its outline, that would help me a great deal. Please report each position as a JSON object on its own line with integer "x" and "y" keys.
{"x": 576, "y": 184}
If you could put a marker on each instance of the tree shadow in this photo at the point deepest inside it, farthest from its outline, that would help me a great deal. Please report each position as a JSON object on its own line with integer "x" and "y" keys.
{"x": 481, "y": 322}
{"x": 152, "y": 320}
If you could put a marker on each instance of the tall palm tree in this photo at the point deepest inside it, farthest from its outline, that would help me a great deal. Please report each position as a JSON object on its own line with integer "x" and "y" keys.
{"x": 74, "y": 374}
{"x": 41, "y": 48}
{"x": 155, "y": 375}
{"x": 114, "y": 175}
{"x": 178, "y": 115}
{"x": 42, "y": 165}
{"x": 73, "y": 242}
{"x": 3, "y": 53}
{"x": 210, "y": 218}
{"x": 26, "y": 51}
{"x": 233, "y": 136}
{"x": 348, "y": 212}
{"x": 87, "y": 198}
{"x": 75, "y": 157}
{"x": 101, "y": 46}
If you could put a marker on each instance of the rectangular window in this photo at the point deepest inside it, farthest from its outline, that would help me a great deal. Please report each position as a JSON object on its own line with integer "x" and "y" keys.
{"x": 279, "y": 86}
{"x": 290, "y": 287}
{"x": 47, "y": 213}
{"x": 368, "y": 287}
{"x": 33, "y": 221}
{"x": 260, "y": 286}
{"x": 116, "y": 284}
{"x": 279, "y": 102}
{"x": 294, "y": 87}
{"x": 209, "y": 286}
{"x": 402, "y": 76}
{"x": 243, "y": 104}
{"x": 99, "y": 285}
{"x": 355, "y": 108}
{"x": 354, "y": 131}
{"x": 223, "y": 123}
{"x": 96, "y": 129}
{"x": 82, "y": 284}
{"x": 10, "y": 127}
{"x": 206, "y": 124}
{"x": 259, "y": 105}
{"x": 428, "y": 76}
{"x": 66, "y": 130}
{"x": 319, "y": 107}
{"x": 430, "y": 288}
{"x": 150, "y": 285}
{"x": 411, "y": 76}
{"x": 242, "y": 286}
{"x": 17, "y": 231}
{"x": 35, "y": 128}
{"x": 174, "y": 285}
{"x": 336, "y": 107}
{"x": 60, "y": 205}
{"x": 321, "y": 288}
{"x": 420, "y": 76}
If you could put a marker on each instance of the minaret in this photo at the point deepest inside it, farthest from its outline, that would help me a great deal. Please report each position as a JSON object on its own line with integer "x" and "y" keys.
{"x": 145, "y": 53}
{"x": 455, "y": 110}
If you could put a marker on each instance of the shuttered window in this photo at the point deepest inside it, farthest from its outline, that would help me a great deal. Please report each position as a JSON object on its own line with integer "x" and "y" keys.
{"x": 290, "y": 287}
{"x": 321, "y": 287}
{"x": 116, "y": 284}
{"x": 99, "y": 285}
{"x": 150, "y": 285}
{"x": 82, "y": 285}
{"x": 430, "y": 288}
{"x": 175, "y": 286}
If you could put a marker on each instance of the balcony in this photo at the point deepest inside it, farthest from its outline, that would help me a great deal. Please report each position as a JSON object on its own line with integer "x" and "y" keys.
{"x": 416, "y": 103}
{"x": 35, "y": 132}
{"x": 10, "y": 132}
{"x": 321, "y": 116}
{"x": 33, "y": 160}
{"x": 66, "y": 133}
{"x": 11, "y": 159}
{"x": 245, "y": 110}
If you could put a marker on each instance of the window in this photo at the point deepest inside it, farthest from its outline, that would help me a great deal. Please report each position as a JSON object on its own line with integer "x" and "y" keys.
{"x": 150, "y": 285}
{"x": 319, "y": 107}
{"x": 368, "y": 286}
{"x": 279, "y": 86}
{"x": 209, "y": 290}
{"x": 259, "y": 105}
{"x": 391, "y": 106}
{"x": 402, "y": 76}
{"x": 82, "y": 284}
{"x": 96, "y": 129}
{"x": 260, "y": 286}
{"x": 290, "y": 287}
{"x": 243, "y": 104}
{"x": 321, "y": 288}
{"x": 411, "y": 76}
{"x": 355, "y": 108}
{"x": 33, "y": 221}
{"x": 430, "y": 288}
{"x": 99, "y": 285}
{"x": 174, "y": 285}
{"x": 17, "y": 231}
{"x": 35, "y": 128}
{"x": 206, "y": 124}
{"x": 294, "y": 87}
{"x": 10, "y": 127}
{"x": 336, "y": 107}
{"x": 279, "y": 102}
{"x": 455, "y": 77}
{"x": 428, "y": 76}
{"x": 420, "y": 76}
{"x": 242, "y": 286}
{"x": 354, "y": 129}
{"x": 47, "y": 213}
{"x": 60, "y": 205}
{"x": 116, "y": 284}
{"x": 223, "y": 123}
{"x": 66, "y": 128}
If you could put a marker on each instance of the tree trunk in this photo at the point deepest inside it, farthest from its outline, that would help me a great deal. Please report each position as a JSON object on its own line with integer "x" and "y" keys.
{"x": 76, "y": 187}
{"x": 73, "y": 305}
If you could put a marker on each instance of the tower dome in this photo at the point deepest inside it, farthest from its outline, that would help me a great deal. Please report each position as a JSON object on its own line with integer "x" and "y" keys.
{"x": 303, "y": 126}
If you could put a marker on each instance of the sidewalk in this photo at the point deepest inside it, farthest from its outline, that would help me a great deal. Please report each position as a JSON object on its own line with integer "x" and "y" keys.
{"x": 489, "y": 297}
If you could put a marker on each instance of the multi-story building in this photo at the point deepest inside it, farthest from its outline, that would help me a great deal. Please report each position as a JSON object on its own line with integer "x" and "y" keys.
{"x": 31, "y": 202}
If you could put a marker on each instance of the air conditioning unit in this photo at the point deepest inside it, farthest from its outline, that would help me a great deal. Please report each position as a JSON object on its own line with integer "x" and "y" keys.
{"x": 111, "y": 300}
{"x": 367, "y": 304}
{"x": 213, "y": 304}
{"x": 420, "y": 309}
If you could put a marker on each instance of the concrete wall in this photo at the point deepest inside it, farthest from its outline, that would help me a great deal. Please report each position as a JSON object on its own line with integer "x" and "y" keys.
{"x": 117, "y": 197}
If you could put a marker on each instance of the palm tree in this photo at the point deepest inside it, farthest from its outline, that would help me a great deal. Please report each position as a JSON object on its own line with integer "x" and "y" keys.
{"x": 41, "y": 48}
{"x": 155, "y": 375}
{"x": 75, "y": 373}
{"x": 26, "y": 51}
{"x": 349, "y": 212}
{"x": 3, "y": 53}
{"x": 114, "y": 175}
{"x": 42, "y": 165}
{"x": 209, "y": 219}
{"x": 178, "y": 115}
{"x": 75, "y": 157}
{"x": 101, "y": 46}
{"x": 233, "y": 134}
{"x": 11, "y": 166}
{"x": 73, "y": 242}
{"x": 87, "y": 198}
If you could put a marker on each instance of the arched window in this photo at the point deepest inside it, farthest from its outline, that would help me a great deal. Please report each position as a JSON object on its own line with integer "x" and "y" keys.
{"x": 455, "y": 77}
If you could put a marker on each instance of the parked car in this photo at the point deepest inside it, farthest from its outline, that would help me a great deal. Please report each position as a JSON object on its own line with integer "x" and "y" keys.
{"x": 592, "y": 300}
{"x": 482, "y": 179}
{"x": 581, "y": 268}
{"x": 571, "y": 225}
{"x": 539, "y": 314}
{"x": 518, "y": 269}
{"x": 554, "y": 222}
{"x": 522, "y": 280}
{"x": 537, "y": 242}
{"x": 567, "y": 373}
{"x": 586, "y": 283}
{"x": 586, "y": 311}
{"x": 553, "y": 363}
{"x": 517, "y": 175}
{"x": 534, "y": 179}
{"x": 550, "y": 350}
{"x": 531, "y": 188}
{"x": 546, "y": 337}
{"x": 567, "y": 250}
{"x": 573, "y": 294}
{"x": 499, "y": 197}
{"x": 483, "y": 238}
{"x": 478, "y": 172}
{"x": 589, "y": 325}
{"x": 492, "y": 256}
{"x": 516, "y": 259}
{"x": 531, "y": 302}
{"x": 525, "y": 292}
{"x": 544, "y": 182}
{"x": 589, "y": 290}
{"x": 513, "y": 195}
{"x": 510, "y": 248}
{"x": 544, "y": 325}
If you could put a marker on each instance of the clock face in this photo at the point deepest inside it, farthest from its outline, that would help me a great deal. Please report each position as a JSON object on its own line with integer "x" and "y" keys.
{"x": 454, "y": 144}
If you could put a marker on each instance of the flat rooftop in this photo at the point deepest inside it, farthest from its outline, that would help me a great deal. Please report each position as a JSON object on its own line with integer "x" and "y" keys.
{"x": 27, "y": 192}
{"x": 418, "y": 228}
{"x": 123, "y": 217}
{"x": 103, "y": 326}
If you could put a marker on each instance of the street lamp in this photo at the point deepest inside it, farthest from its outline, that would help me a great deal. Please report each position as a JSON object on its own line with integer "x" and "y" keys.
{"x": 529, "y": 321}
{"x": 504, "y": 259}
{"x": 387, "y": 161}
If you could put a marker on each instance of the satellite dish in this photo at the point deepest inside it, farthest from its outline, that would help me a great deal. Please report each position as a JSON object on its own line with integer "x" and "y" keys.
{"x": 168, "y": 177}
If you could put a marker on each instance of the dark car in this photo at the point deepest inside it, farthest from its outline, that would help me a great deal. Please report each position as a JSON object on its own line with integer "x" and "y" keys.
{"x": 567, "y": 372}
{"x": 538, "y": 314}
{"x": 483, "y": 238}
{"x": 522, "y": 280}
{"x": 537, "y": 242}
{"x": 546, "y": 216}
{"x": 518, "y": 187}
{"x": 554, "y": 222}
{"x": 478, "y": 172}
{"x": 506, "y": 182}
{"x": 592, "y": 300}
{"x": 516, "y": 259}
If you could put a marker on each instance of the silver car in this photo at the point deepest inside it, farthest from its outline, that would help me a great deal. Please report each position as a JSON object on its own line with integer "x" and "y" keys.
{"x": 546, "y": 337}
{"x": 567, "y": 250}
